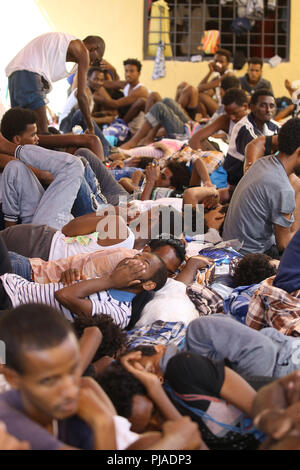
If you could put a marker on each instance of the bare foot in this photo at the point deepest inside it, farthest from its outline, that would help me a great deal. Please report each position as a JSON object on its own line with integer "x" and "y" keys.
{"x": 128, "y": 145}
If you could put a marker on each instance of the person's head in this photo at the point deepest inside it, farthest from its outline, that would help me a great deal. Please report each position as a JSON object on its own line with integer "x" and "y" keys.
{"x": 289, "y": 137}
{"x": 155, "y": 275}
{"x": 96, "y": 47}
{"x": 42, "y": 361}
{"x": 128, "y": 395}
{"x": 263, "y": 105}
{"x": 175, "y": 175}
{"x": 235, "y": 103}
{"x": 171, "y": 251}
{"x": 95, "y": 78}
{"x": 255, "y": 66}
{"x": 227, "y": 82}
{"x": 253, "y": 269}
{"x": 151, "y": 357}
{"x": 221, "y": 61}
{"x": 132, "y": 69}
{"x": 113, "y": 338}
{"x": 18, "y": 125}
{"x": 160, "y": 221}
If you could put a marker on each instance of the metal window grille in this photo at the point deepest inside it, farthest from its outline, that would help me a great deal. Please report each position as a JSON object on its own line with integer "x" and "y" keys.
{"x": 188, "y": 19}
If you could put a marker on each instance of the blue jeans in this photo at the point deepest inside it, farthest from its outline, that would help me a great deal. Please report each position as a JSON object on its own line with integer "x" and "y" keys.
{"x": 78, "y": 119}
{"x": 23, "y": 195}
{"x": 25, "y": 198}
{"x": 168, "y": 114}
{"x": 111, "y": 189}
{"x": 20, "y": 265}
{"x": 89, "y": 196}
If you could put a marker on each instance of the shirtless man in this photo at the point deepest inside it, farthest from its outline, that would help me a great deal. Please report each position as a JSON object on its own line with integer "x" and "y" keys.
{"x": 133, "y": 90}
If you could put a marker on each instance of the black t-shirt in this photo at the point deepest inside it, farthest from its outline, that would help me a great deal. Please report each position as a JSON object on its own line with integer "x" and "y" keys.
{"x": 197, "y": 381}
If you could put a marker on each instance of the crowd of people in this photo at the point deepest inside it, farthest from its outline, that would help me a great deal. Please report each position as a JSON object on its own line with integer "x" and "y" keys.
{"x": 149, "y": 249}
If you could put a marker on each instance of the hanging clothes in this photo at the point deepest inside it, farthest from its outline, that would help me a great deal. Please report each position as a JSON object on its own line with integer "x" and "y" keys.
{"x": 159, "y": 70}
{"x": 159, "y": 28}
{"x": 210, "y": 41}
{"x": 251, "y": 9}
{"x": 272, "y": 5}
{"x": 191, "y": 24}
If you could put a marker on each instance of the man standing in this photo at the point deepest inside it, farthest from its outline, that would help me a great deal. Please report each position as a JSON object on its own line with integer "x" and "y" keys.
{"x": 259, "y": 122}
{"x": 252, "y": 80}
{"x": 43, "y": 61}
{"x": 262, "y": 209}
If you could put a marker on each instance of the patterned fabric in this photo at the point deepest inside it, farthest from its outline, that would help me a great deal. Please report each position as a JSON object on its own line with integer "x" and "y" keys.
{"x": 159, "y": 70}
{"x": 221, "y": 417}
{"x": 205, "y": 299}
{"x": 211, "y": 41}
{"x": 206, "y": 275}
{"x": 118, "y": 128}
{"x": 212, "y": 158}
{"x": 271, "y": 306}
{"x": 160, "y": 332}
{"x": 83, "y": 239}
{"x": 237, "y": 303}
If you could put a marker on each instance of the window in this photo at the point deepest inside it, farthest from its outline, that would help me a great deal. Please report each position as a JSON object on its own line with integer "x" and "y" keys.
{"x": 181, "y": 26}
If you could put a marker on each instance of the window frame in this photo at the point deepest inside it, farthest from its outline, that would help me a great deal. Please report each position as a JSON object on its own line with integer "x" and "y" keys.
{"x": 230, "y": 46}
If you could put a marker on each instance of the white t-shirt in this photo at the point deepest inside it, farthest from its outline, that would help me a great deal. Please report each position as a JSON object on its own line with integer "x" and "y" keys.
{"x": 124, "y": 437}
{"x": 45, "y": 55}
{"x": 170, "y": 303}
{"x": 63, "y": 247}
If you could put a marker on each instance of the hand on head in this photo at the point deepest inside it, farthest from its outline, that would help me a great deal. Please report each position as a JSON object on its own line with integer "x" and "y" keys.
{"x": 128, "y": 273}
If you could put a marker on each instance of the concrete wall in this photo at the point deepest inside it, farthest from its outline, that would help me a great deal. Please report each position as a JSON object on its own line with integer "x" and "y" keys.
{"x": 120, "y": 23}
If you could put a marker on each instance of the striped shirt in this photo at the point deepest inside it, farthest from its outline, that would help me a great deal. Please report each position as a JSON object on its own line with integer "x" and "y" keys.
{"x": 116, "y": 304}
{"x": 245, "y": 131}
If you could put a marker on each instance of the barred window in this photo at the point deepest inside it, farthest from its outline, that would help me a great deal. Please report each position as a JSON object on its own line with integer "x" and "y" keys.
{"x": 182, "y": 26}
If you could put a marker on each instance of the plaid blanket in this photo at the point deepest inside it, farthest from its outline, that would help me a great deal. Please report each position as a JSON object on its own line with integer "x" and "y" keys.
{"x": 211, "y": 158}
{"x": 271, "y": 306}
{"x": 206, "y": 300}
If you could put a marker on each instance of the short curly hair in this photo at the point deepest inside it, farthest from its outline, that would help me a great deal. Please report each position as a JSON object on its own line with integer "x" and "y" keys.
{"x": 289, "y": 136}
{"x": 121, "y": 387}
{"x": 174, "y": 243}
{"x": 253, "y": 269}
{"x": 114, "y": 339}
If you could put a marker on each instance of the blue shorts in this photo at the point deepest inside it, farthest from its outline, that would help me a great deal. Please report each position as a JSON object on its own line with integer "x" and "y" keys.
{"x": 27, "y": 89}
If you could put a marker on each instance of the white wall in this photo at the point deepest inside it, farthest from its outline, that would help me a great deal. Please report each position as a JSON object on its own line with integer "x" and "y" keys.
{"x": 21, "y": 21}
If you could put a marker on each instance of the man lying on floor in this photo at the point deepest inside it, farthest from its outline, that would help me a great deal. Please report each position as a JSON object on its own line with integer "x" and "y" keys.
{"x": 111, "y": 295}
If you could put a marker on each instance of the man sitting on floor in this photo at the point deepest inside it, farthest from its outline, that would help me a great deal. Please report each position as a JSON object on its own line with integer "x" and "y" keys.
{"x": 258, "y": 122}
{"x": 133, "y": 91}
{"x": 252, "y": 80}
{"x": 260, "y": 214}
